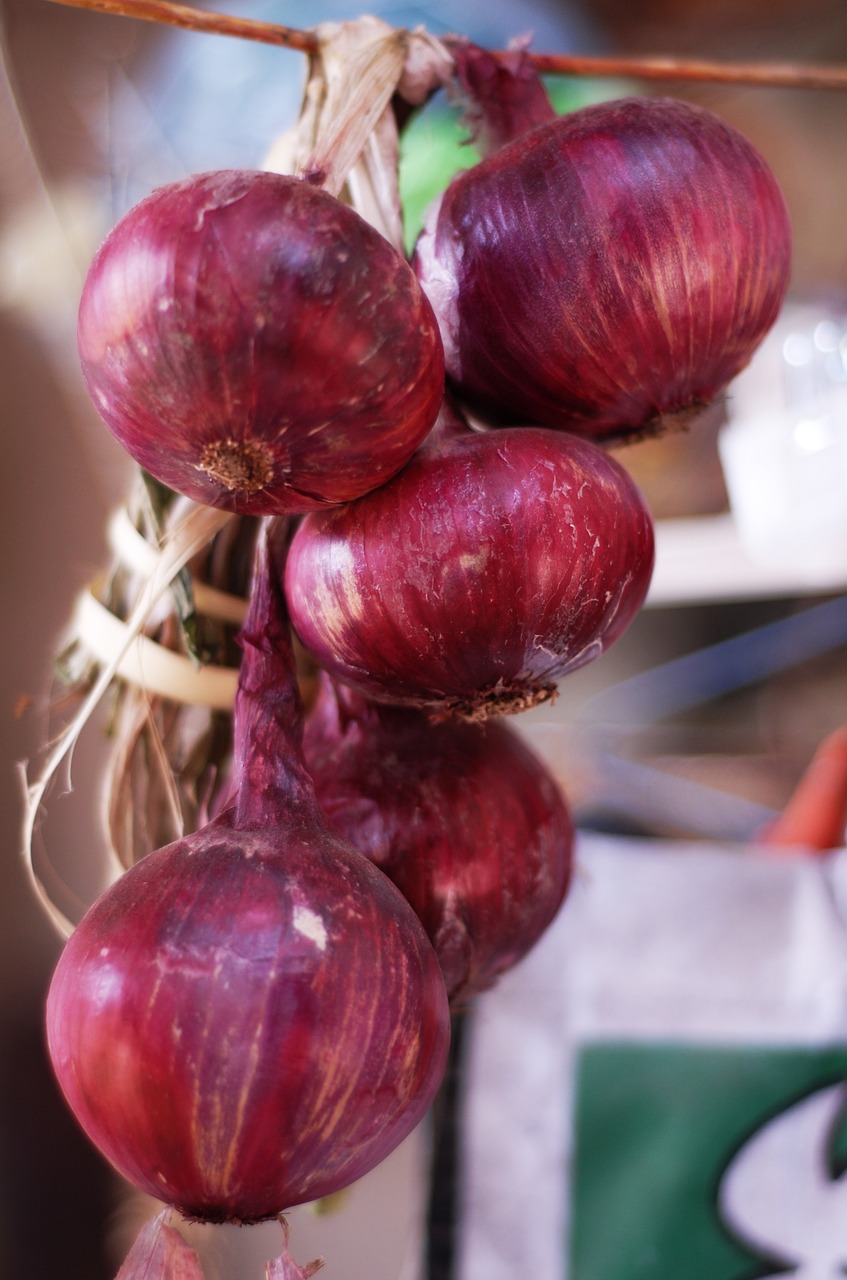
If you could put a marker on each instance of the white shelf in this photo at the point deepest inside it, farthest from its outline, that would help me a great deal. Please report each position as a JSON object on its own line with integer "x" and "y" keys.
{"x": 701, "y": 560}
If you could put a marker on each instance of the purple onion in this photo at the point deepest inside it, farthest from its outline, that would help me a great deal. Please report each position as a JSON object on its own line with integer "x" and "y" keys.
{"x": 491, "y": 566}
{"x": 608, "y": 272}
{"x": 256, "y": 345}
{"x": 464, "y": 818}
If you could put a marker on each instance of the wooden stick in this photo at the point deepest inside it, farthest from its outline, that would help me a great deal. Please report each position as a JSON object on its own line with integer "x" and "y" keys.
{"x": 775, "y": 75}
{"x": 171, "y": 14}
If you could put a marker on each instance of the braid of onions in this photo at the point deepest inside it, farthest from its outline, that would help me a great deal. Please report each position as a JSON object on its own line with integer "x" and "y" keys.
{"x": 254, "y": 1015}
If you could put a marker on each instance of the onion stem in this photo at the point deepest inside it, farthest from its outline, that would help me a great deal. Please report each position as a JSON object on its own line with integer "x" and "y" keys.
{"x": 763, "y": 74}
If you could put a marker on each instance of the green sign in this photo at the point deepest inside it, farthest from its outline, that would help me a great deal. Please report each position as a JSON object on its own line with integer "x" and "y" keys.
{"x": 708, "y": 1163}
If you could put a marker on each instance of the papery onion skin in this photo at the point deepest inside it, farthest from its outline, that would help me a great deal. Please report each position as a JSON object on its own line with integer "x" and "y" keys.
{"x": 607, "y": 271}
{"x": 160, "y": 1253}
{"x": 471, "y": 583}
{"x": 231, "y": 1046}
{"x": 257, "y": 346}
{"x": 464, "y": 818}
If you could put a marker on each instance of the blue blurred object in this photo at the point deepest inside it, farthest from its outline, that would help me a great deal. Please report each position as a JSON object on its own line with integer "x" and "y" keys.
{"x": 206, "y": 101}
{"x": 636, "y": 796}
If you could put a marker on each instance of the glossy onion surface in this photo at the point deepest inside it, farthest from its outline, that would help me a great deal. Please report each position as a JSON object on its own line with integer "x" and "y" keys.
{"x": 491, "y": 566}
{"x": 609, "y": 269}
{"x": 464, "y": 818}
{"x": 240, "y": 1029}
{"x": 257, "y": 346}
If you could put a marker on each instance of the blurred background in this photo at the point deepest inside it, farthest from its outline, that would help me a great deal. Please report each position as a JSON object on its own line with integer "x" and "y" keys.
{"x": 709, "y": 708}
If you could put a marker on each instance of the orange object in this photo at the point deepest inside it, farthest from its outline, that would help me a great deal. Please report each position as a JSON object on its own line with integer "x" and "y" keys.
{"x": 815, "y": 816}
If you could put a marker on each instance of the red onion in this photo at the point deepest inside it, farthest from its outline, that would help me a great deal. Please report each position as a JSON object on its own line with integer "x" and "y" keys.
{"x": 608, "y": 270}
{"x": 253, "y": 1016}
{"x": 464, "y": 818}
{"x": 493, "y": 564}
{"x": 257, "y": 346}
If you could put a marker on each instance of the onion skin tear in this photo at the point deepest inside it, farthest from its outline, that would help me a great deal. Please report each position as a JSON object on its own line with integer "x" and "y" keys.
{"x": 257, "y": 346}
{"x": 251, "y": 1017}
{"x": 495, "y": 563}
{"x": 608, "y": 270}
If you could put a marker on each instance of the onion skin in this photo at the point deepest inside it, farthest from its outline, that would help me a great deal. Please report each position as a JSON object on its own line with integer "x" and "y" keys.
{"x": 608, "y": 271}
{"x": 257, "y": 346}
{"x": 160, "y": 1253}
{"x": 464, "y": 819}
{"x": 252, "y": 1016}
{"x": 495, "y": 563}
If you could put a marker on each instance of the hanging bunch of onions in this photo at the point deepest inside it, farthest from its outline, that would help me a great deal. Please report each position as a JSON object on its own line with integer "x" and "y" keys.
{"x": 254, "y": 1015}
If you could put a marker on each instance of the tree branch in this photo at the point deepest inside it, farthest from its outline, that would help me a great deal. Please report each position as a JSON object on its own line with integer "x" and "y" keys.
{"x": 171, "y": 14}
{"x": 777, "y": 75}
